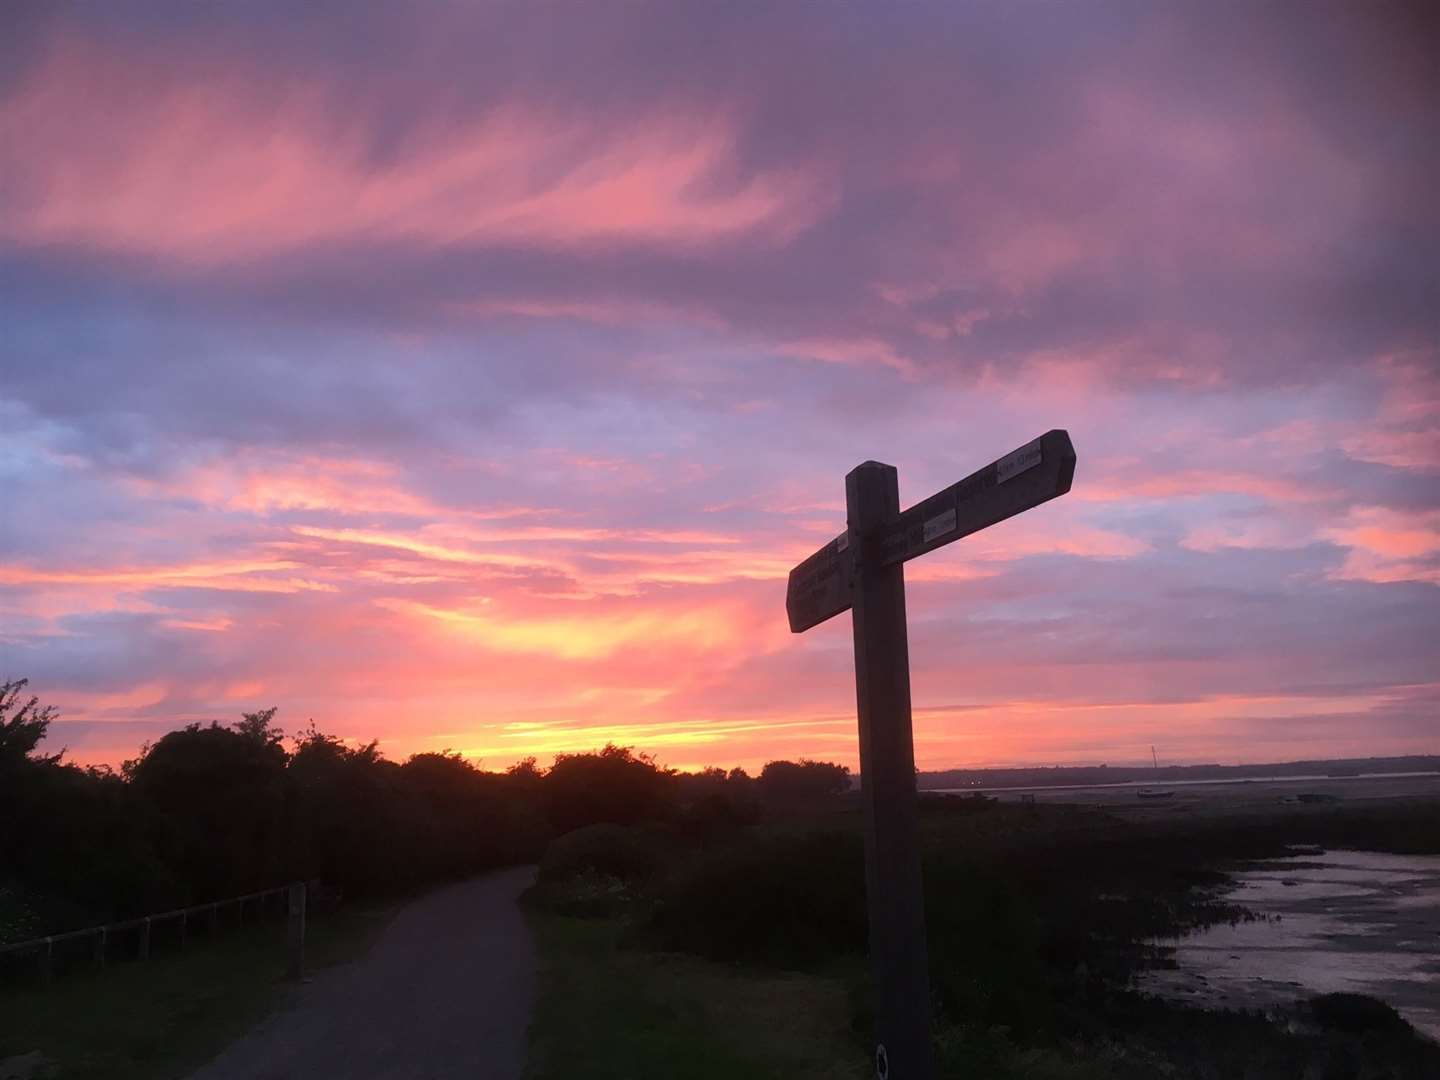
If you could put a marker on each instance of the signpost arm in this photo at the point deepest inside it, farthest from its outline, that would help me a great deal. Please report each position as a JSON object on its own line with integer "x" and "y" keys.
{"x": 887, "y": 769}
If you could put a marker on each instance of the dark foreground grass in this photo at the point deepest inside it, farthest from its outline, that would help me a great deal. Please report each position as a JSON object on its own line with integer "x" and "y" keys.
{"x": 161, "y": 1019}
{"x": 1038, "y": 920}
{"x": 611, "y": 1013}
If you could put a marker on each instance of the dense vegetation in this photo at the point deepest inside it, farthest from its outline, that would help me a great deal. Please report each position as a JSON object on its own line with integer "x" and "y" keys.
{"x": 211, "y": 811}
{"x": 1039, "y": 917}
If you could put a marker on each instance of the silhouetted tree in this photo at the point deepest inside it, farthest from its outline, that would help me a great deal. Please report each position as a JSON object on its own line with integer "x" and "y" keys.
{"x": 220, "y": 793}
{"x": 715, "y": 804}
{"x": 613, "y": 785}
{"x": 344, "y": 818}
{"x": 526, "y": 781}
{"x": 22, "y": 725}
{"x": 259, "y": 727}
{"x": 695, "y": 786}
{"x": 802, "y": 781}
{"x": 73, "y": 841}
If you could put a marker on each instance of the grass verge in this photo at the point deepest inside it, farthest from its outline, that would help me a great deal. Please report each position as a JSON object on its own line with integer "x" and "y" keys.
{"x": 161, "y": 1019}
{"x": 605, "y": 1011}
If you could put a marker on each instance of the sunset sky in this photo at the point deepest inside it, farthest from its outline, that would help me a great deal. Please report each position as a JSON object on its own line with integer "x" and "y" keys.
{"x": 470, "y": 376}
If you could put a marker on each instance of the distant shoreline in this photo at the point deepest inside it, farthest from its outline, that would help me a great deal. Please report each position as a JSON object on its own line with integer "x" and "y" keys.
{"x": 1140, "y": 784}
{"x": 1086, "y": 776}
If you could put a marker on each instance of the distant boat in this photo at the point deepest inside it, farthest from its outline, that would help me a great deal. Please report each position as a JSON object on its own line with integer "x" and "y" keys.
{"x": 1152, "y": 793}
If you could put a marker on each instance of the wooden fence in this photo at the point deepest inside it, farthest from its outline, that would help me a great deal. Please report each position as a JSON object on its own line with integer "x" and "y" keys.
{"x": 101, "y": 938}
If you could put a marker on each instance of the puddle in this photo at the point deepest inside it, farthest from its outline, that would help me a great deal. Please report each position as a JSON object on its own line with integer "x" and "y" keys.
{"x": 1349, "y": 921}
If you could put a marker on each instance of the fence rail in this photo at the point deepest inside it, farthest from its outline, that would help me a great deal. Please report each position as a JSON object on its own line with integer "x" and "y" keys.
{"x": 100, "y": 935}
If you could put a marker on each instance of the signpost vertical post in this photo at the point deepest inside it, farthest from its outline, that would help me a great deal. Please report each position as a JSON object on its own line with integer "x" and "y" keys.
{"x": 887, "y": 776}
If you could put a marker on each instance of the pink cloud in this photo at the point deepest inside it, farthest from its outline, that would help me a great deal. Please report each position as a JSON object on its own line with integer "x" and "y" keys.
{"x": 1024, "y": 536}
{"x": 264, "y": 482}
{"x": 848, "y": 351}
{"x": 224, "y": 170}
{"x": 1389, "y": 545}
{"x": 1406, "y": 432}
{"x": 604, "y": 312}
{"x": 239, "y": 575}
{"x": 1270, "y": 533}
{"x": 1128, "y": 480}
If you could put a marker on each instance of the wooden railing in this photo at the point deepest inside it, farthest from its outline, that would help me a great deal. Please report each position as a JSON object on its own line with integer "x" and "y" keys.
{"x": 100, "y": 936}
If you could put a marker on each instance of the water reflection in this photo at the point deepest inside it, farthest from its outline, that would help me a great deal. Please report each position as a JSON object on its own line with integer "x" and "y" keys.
{"x": 1351, "y": 921}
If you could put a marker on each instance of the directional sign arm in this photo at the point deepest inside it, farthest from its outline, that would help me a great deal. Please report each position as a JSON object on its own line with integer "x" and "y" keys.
{"x": 1037, "y": 472}
{"x": 821, "y": 587}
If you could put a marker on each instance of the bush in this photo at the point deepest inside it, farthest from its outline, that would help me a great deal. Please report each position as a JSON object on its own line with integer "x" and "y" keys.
{"x": 784, "y": 902}
{"x": 1356, "y": 1014}
{"x": 212, "y": 811}
{"x": 802, "y": 781}
{"x": 634, "y": 855}
{"x": 614, "y": 785}
{"x": 988, "y": 946}
{"x": 599, "y": 870}
{"x": 219, "y": 792}
{"x": 717, "y": 819}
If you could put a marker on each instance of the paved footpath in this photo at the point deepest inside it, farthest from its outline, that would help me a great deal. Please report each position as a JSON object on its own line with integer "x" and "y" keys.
{"x": 444, "y": 993}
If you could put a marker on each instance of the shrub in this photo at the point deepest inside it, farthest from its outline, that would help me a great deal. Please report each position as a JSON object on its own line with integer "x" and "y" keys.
{"x": 211, "y": 811}
{"x": 785, "y": 902}
{"x": 802, "y": 781}
{"x": 633, "y": 855}
{"x": 599, "y": 870}
{"x": 614, "y": 785}
{"x": 1355, "y": 1013}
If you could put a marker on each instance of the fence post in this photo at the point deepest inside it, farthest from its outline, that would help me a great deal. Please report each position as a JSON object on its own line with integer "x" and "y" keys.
{"x": 295, "y": 965}
{"x": 145, "y": 938}
{"x": 47, "y": 962}
{"x": 100, "y": 947}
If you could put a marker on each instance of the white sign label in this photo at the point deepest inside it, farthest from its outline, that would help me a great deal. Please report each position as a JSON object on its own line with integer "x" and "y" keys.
{"x": 940, "y": 524}
{"x": 1027, "y": 457}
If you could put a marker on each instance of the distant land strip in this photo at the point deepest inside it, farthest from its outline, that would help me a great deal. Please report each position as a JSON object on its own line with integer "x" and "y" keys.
{"x": 1087, "y": 775}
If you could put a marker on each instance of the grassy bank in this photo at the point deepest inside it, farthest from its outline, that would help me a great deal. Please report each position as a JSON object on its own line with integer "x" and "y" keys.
{"x": 607, "y": 1011}
{"x": 1039, "y": 917}
{"x": 161, "y": 1019}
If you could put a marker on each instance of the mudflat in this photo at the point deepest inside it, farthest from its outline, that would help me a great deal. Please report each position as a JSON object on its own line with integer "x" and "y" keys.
{"x": 1329, "y": 922}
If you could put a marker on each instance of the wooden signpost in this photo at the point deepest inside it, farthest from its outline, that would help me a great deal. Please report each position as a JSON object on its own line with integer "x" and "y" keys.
{"x": 862, "y": 569}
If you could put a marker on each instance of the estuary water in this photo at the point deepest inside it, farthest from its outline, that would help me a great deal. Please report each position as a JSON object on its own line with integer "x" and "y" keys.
{"x": 1338, "y": 921}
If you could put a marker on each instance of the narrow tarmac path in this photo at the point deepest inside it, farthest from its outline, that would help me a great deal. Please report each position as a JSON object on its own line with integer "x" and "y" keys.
{"x": 444, "y": 993}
